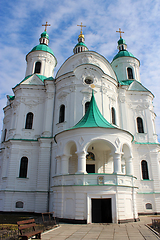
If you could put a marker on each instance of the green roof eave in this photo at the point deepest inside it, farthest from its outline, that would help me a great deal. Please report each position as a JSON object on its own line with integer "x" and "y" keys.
{"x": 93, "y": 117}
{"x": 123, "y": 53}
{"x": 145, "y": 143}
{"x": 126, "y": 82}
{"x": 10, "y": 97}
{"x": 41, "y": 77}
{"x": 42, "y": 47}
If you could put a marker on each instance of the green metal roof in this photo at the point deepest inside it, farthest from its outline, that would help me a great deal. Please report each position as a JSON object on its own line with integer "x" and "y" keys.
{"x": 81, "y": 44}
{"x": 93, "y": 117}
{"x": 121, "y": 41}
{"x": 42, "y": 47}
{"x": 38, "y": 75}
{"x": 137, "y": 86}
{"x": 126, "y": 82}
{"x": 11, "y": 97}
{"x": 45, "y": 35}
{"x": 147, "y": 143}
{"x": 123, "y": 53}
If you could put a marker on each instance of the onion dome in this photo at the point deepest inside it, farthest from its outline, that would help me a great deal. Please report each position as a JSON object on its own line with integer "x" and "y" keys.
{"x": 81, "y": 46}
{"x": 122, "y": 46}
{"x": 43, "y": 46}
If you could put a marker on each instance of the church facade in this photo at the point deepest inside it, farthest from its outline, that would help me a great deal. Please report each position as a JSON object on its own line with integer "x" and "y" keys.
{"x": 82, "y": 144}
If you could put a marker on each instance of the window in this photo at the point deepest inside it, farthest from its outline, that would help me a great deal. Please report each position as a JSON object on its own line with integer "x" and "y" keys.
{"x": 140, "y": 125}
{"x": 148, "y": 206}
{"x": 61, "y": 114}
{"x": 113, "y": 115}
{"x": 88, "y": 81}
{"x": 5, "y": 133}
{"x": 130, "y": 73}
{"x": 23, "y": 167}
{"x": 29, "y": 121}
{"x": 19, "y": 204}
{"x": 144, "y": 166}
{"x": 86, "y": 106}
{"x": 37, "y": 67}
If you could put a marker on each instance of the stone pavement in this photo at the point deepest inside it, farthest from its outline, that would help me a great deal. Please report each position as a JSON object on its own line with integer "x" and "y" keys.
{"x": 126, "y": 231}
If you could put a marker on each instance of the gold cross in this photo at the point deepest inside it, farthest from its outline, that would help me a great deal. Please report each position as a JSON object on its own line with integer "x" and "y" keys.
{"x": 120, "y": 32}
{"x": 81, "y": 27}
{"x": 46, "y": 25}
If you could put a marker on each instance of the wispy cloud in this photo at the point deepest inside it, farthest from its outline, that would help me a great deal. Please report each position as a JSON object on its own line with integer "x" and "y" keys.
{"x": 21, "y": 23}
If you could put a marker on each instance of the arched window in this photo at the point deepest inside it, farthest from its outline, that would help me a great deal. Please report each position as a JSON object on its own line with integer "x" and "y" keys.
{"x": 113, "y": 115}
{"x": 140, "y": 125}
{"x": 23, "y": 167}
{"x": 62, "y": 114}
{"x": 148, "y": 206}
{"x": 5, "y": 133}
{"x": 37, "y": 67}
{"x": 144, "y": 166}
{"x": 86, "y": 106}
{"x": 29, "y": 121}
{"x": 130, "y": 73}
{"x": 19, "y": 204}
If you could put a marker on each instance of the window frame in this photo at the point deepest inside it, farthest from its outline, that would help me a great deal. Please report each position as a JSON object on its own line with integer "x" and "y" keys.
{"x": 140, "y": 125}
{"x": 144, "y": 170}
{"x": 23, "y": 170}
{"x": 37, "y": 67}
{"x": 29, "y": 120}
{"x": 130, "y": 74}
{"x": 62, "y": 113}
{"x": 113, "y": 115}
{"x": 86, "y": 106}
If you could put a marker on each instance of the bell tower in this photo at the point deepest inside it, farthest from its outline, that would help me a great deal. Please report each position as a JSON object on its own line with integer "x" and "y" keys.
{"x": 41, "y": 59}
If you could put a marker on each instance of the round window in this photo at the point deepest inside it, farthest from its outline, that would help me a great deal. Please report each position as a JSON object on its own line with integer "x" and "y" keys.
{"x": 88, "y": 81}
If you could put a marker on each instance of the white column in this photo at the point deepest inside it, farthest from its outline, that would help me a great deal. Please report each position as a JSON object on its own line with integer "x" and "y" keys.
{"x": 81, "y": 162}
{"x": 117, "y": 162}
{"x": 129, "y": 166}
{"x": 64, "y": 164}
{"x": 58, "y": 170}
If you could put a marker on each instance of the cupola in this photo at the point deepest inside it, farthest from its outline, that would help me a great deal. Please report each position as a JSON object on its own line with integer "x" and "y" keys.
{"x": 41, "y": 59}
{"x": 125, "y": 64}
{"x": 81, "y": 46}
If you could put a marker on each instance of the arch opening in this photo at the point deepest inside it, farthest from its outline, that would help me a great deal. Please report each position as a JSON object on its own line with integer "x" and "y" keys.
{"x": 37, "y": 67}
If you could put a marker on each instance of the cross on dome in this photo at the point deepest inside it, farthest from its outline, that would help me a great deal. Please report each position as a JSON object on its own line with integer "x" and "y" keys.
{"x": 120, "y": 32}
{"x": 81, "y": 27}
{"x": 46, "y": 25}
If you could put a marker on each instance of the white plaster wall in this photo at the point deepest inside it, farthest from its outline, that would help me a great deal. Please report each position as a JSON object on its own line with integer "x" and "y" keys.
{"x": 48, "y": 63}
{"x": 75, "y": 202}
{"x": 121, "y": 64}
{"x": 86, "y": 57}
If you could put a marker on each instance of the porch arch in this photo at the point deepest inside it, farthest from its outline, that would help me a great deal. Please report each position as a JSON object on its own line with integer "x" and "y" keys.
{"x": 126, "y": 161}
{"x": 107, "y": 160}
{"x": 70, "y": 150}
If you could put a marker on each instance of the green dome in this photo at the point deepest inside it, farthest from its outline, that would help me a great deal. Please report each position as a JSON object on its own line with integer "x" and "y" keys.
{"x": 42, "y": 47}
{"x": 81, "y": 44}
{"x": 121, "y": 41}
{"x": 45, "y": 35}
{"x": 124, "y": 53}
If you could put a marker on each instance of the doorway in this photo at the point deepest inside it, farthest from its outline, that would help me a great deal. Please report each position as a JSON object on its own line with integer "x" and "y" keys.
{"x": 90, "y": 168}
{"x": 101, "y": 210}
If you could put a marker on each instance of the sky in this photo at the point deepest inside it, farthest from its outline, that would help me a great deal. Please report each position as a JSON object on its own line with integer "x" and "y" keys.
{"x": 21, "y": 26}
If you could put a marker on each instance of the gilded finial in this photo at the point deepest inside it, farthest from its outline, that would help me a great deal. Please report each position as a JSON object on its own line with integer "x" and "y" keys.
{"x": 120, "y": 32}
{"x": 46, "y": 25}
{"x": 81, "y": 35}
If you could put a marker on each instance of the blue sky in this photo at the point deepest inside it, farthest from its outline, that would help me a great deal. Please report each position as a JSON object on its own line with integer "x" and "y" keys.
{"x": 21, "y": 26}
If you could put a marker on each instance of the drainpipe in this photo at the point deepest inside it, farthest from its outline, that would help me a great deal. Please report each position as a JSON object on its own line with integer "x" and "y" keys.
{"x": 49, "y": 182}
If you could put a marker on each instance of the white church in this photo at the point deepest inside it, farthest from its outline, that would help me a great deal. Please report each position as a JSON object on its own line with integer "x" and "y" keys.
{"x": 82, "y": 144}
